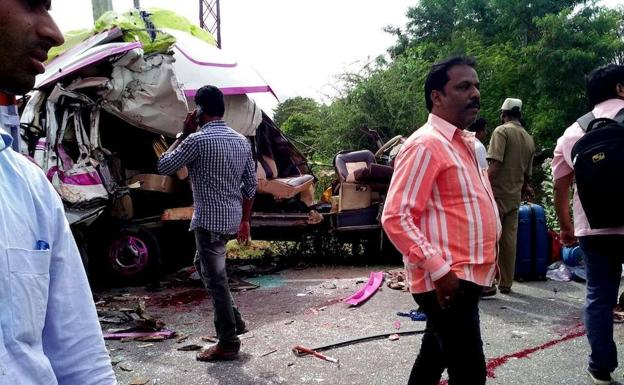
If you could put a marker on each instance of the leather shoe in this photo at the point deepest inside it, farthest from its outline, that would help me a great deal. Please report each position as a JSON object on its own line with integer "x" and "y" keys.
{"x": 218, "y": 353}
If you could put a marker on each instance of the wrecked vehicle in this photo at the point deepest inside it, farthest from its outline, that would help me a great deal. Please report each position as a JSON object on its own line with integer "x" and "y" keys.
{"x": 111, "y": 102}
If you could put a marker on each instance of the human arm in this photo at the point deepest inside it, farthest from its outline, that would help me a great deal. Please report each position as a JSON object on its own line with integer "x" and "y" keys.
{"x": 183, "y": 154}
{"x": 562, "y": 207}
{"x": 72, "y": 337}
{"x": 494, "y": 167}
{"x": 496, "y": 152}
{"x": 182, "y": 151}
{"x": 411, "y": 188}
{"x": 248, "y": 189}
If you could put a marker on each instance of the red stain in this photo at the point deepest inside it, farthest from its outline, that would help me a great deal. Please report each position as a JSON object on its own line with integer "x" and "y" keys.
{"x": 494, "y": 363}
{"x": 182, "y": 298}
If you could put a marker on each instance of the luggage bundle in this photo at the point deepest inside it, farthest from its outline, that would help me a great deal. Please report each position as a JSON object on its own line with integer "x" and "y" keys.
{"x": 533, "y": 246}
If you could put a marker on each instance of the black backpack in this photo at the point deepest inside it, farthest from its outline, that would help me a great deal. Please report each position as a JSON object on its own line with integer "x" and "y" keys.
{"x": 598, "y": 159}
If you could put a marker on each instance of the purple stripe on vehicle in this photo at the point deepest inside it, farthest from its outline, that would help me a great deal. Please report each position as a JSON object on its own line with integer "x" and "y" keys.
{"x": 91, "y": 60}
{"x": 202, "y": 63}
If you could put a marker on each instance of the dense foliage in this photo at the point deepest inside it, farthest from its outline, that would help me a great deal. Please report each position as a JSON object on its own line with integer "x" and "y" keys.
{"x": 536, "y": 50}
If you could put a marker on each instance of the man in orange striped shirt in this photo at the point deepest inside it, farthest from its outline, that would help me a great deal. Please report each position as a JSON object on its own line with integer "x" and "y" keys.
{"x": 441, "y": 214}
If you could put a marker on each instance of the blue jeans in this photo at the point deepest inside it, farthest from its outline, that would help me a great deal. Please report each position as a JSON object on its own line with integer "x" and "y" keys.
{"x": 452, "y": 339}
{"x": 603, "y": 261}
{"x": 210, "y": 263}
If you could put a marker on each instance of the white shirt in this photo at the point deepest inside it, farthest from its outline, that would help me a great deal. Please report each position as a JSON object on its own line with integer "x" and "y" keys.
{"x": 481, "y": 153}
{"x": 49, "y": 330}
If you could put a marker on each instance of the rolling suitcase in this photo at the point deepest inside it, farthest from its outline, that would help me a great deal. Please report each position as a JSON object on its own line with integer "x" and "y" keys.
{"x": 533, "y": 246}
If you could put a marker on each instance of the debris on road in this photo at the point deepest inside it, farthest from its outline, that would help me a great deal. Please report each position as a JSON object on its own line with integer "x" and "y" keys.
{"x": 361, "y": 340}
{"x": 396, "y": 280}
{"x": 189, "y": 348}
{"x": 373, "y": 284}
{"x": 141, "y": 336}
{"x": 302, "y": 351}
{"x": 269, "y": 352}
{"x": 139, "y": 381}
{"x": 393, "y": 337}
{"x": 210, "y": 339}
{"x": 182, "y": 339}
{"x": 414, "y": 315}
{"x": 397, "y": 325}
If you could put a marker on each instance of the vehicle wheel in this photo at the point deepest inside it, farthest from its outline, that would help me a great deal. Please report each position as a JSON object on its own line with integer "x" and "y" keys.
{"x": 133, "y": 254}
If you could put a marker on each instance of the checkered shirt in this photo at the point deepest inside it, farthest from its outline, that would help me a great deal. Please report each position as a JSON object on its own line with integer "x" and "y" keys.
{"x": 222, "y": 173}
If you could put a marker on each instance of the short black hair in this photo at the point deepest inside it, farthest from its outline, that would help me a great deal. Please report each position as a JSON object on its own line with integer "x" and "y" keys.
{"x": 514, "y": 113}
{"x": 210, "y": 100}
{"x": 601, "y": 82}
{"x": 438, "y": 75}
{"x": 478, "y": 125}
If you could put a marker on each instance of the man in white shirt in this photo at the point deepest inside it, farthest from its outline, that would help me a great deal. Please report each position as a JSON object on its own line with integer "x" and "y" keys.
{"x": 479, "y": 127}
{"x": 49, "y": 330}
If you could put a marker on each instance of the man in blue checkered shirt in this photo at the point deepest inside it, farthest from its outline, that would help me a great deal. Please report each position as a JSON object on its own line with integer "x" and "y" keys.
{"x": 223, "y": 178}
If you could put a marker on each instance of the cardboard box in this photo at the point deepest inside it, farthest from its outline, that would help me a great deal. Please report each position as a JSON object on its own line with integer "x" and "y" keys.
{"x": 354, "y": 196}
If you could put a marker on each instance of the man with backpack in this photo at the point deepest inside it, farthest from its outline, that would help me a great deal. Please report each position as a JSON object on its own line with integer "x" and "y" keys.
{"x": 584, "y": 152}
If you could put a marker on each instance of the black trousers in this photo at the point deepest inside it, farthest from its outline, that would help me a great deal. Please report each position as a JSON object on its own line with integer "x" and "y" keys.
{"x": 452, "y": 340}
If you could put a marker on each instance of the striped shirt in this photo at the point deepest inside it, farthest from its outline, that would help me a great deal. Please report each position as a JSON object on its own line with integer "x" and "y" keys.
{"x": 440, "y": 212}
{"x": 222, "y": 173}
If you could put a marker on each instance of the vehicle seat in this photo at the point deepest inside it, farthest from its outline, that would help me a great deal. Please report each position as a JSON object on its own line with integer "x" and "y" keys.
{"x": 283, "y": 188}
{"x": 360, "y": 167}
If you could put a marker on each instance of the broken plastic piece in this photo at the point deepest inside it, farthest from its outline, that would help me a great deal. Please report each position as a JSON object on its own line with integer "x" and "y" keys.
{"x": 374, "y": 282}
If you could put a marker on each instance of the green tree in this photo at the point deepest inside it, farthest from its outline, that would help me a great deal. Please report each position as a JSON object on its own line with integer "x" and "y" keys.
{"x": 293, "y": 105}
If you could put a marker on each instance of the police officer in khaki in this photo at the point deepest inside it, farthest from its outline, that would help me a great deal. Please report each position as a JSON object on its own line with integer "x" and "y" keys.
{"x": 510, "y": 157}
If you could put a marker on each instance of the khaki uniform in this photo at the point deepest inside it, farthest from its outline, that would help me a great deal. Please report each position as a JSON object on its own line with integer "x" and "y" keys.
{"x": 511, "y": 145}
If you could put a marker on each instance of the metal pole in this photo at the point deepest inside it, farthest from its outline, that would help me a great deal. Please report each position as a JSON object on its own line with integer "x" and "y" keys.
{"x": 218, "y": 24}
{"x": 100, "y": 7}
{"x": 210, "y": 18}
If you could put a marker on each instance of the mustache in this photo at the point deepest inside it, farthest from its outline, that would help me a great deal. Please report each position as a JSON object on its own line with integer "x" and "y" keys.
{"x": 474, "y": 104}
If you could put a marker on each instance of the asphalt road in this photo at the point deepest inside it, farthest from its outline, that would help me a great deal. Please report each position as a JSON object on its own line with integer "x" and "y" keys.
{"x": 532, "y": 336}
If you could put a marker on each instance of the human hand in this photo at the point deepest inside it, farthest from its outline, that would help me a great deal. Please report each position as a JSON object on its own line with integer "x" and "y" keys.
{"x": 446, "y": 289}
{"x": 190, "y": 123}
{"x": 567, "y": 237}
{"x": 243, "y": 235}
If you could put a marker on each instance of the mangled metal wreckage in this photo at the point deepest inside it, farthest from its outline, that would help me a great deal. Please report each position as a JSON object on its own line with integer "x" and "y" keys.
{"x": 104, "y": 111}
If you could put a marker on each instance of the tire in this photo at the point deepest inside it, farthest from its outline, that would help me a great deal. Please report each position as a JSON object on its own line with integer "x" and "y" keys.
{"x": 133, "y": 255}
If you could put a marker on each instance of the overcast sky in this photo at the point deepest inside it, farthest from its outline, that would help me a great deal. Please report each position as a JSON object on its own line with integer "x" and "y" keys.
{"x": 298, "y": 46}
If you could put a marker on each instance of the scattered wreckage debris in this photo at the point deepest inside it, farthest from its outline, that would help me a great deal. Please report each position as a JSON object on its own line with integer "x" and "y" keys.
{"x": 210, "y": 339}
{"x": 373, "y": 284}
{"x": 359, "y": 340}
{"x": 140, "y": 325}
{"x": 396, "y": 280}
{"x": 190, "y": 348}
{"x": 153, "y": 336}
{"x": 301, "y": 351}
{"x": 269, "y": 352}
{"x": 414, "y": 315}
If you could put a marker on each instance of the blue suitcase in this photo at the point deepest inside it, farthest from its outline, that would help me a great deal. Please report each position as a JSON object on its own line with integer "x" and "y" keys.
{"x": 533, "y": 247}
